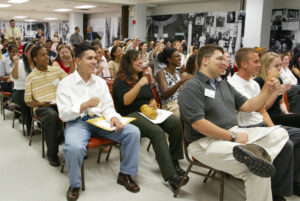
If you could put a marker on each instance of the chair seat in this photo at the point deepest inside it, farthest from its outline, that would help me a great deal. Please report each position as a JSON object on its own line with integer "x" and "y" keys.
{"x": 96, "y": 142}
{"x": 6, "y": 94}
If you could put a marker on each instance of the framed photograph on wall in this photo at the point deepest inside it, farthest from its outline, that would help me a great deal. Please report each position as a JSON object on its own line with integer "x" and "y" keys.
{"x": 231, "y": 17}
{"x": 209, "y": 20}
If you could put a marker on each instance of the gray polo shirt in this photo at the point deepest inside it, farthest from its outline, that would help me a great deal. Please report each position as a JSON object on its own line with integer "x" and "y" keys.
{"x": 6, "y": 66}
{"x": 75, "y": 39}
{"x": 202, "y": 98}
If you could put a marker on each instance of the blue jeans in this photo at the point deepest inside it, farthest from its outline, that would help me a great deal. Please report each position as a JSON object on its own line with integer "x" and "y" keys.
{"x": 77, "y": 135}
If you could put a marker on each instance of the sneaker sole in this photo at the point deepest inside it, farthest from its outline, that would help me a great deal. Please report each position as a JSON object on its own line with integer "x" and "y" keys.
{"x": 256, "y": 165}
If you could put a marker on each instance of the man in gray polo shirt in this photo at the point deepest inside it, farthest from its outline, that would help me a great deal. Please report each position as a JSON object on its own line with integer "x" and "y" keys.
{"x": 208, "y": 106}
{"x": 76, "y": 38}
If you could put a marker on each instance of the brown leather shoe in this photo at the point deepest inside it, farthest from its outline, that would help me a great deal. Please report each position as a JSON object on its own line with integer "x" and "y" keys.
{"x": 73, "y": 194}
{"x": 127, "y": 181}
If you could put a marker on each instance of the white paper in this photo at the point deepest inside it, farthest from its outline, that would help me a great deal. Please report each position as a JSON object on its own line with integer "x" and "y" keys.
{"x": 106, "y": 125}
{"x": 162, "y": 115}
{"x": 254, "y": 136}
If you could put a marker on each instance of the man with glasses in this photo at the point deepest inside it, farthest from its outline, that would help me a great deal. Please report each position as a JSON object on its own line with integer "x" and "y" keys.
{"x": 207, "y": 106}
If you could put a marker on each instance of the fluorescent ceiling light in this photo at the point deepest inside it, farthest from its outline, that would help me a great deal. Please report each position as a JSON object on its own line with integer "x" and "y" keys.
{"x": 84, "y": 7}
{"x": 50, "y": 18}
{"x": 17, "y": 1}
{"x": 62, "y": 10}
{"x": 29, "y": 20}
{"x": 4, "y": 5}
{"x": 20, "y": 17}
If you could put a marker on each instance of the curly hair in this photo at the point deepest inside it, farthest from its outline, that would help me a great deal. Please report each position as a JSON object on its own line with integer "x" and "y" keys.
{"x": 126, "y": 72}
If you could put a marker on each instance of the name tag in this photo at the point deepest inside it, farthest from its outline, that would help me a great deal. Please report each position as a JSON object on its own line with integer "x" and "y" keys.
{"x": 209, "y": 93}
{"x": 55, "y": 82}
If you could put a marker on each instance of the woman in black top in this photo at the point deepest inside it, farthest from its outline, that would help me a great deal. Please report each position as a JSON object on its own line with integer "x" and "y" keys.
{"x": 131, "y": 90}
{"x": 275, "y": 104}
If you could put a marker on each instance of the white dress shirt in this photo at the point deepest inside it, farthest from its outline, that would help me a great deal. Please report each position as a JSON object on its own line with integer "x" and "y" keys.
{"x": 248, "y": 89}
{"x": 287, "y": 76}
{"x": 72, "y": 91}
{"x": 20, "y": 83}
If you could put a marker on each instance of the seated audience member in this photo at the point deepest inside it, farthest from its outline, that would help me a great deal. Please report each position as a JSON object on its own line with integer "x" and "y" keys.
{"x": 275, "y": 104}
{"x": 116, "y": 42}
{"x": 95, "y": 100}
{"x": 158, "y": 48}
{"x": 51, "y": 53}
{"x": 18, "y": 75}
{"x": 39, "y": 34}
{"x": 5, "y": 48}
{"x": 131, "y": 91}
{"x": 169, "y": 80}
{"x": 114, "y": 63}
{"x": 6, "y": 66}
{"x": 102, "y": 66}
{"x": 40, "y": 93}
{"x": 191, "y": 66}
{"x": 289, "y": 167}
{"x": 207, "y": 106}
{"x": 91, "y": 35}
{"x": 133, "y": 44}
{"x": 144, "y": 54}
{"x": 288, "y": 77}
{"x": 56, "y": 39}
{"x": 178, "y": 45}
{"x": 193, "y": 51}
{"x": 295, "y": 65}
{"x": 228, "y": 72}
{"x": 65, "y": 59}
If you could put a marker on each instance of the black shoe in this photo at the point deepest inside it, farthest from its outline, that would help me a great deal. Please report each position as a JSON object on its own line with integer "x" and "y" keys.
{"x": 255, "y": 158}
{"x": 278, "y": 198}
{"x": 54, "y": 162}
{"x": 178, "y": 169}
{"x": 296, "y": 189}
{"x": 175, "y": 180}
{"x": 127, "y": 181}
{"x": 73, "y": 194}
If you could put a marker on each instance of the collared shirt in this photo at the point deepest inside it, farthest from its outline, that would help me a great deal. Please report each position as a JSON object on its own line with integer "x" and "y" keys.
{"x": 249, "y": 89}
{"x": 41, "y": 85}
{"x": 19, "y": 84}
{"x": 73, "y": 91}
{"x": 13, "y": 32}
{"x": 76, "y": 39}
{"x": 287, "y": 76}
{"x": 199, "y": 100}
{"x": 6, "y": 66}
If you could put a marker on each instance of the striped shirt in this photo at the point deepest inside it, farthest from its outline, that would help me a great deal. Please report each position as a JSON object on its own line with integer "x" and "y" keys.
{"x": 41, "y": 85}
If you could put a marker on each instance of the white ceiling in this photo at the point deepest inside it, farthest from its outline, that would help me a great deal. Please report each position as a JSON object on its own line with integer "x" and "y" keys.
{"x": 39, "y": 9}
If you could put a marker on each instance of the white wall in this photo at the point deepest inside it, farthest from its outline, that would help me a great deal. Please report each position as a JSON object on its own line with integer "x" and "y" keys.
{"x": 104, "y": 15}
{"x": 75, "y": 20}
{"x": 228, "y": 5}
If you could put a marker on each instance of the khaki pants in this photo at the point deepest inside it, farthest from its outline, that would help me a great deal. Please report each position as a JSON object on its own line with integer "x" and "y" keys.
{"x": 172, "y": 107}
{"x": 218, "y": 154}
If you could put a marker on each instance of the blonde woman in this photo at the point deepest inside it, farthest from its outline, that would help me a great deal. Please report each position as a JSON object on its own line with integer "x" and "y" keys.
{"x": 275, "y": 104}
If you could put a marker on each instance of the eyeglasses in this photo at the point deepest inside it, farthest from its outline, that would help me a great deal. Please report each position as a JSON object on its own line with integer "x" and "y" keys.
{"x": 177, "y": 56}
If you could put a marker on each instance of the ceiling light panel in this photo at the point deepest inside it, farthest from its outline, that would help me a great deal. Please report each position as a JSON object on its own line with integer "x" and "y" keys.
{"x": 85, "y": 7}
{"x": 4, "y": 5}
{"x": 63, "y": 10}
{"x": 18, "y": 1}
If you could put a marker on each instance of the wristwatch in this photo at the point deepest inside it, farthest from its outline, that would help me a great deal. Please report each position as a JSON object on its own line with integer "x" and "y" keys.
{"x": 233, "y": 136}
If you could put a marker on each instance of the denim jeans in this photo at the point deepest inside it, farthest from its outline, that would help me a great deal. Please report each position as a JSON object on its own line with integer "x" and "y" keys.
{"x": 77, "y": 135}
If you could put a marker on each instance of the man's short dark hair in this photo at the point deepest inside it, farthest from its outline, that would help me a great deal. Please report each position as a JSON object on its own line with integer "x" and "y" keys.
{"x": 49, "y": 40}
{"x": 97, "y": 43}
{"x": 80, "y": 49}
{"x": 11, "y": 47}
{"x": 12, "y": 20}
{"x": 242, "y": 55}
{"x": 76, "y": 28}
{"x": 207, "y": 51}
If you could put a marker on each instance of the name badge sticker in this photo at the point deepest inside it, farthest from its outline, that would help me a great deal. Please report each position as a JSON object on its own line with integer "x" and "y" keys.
{"x": 55, "y": 82}
{"x": 209, "y": 93}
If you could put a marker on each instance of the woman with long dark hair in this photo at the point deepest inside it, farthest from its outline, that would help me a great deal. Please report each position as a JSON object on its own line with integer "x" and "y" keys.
{"x": 131, "y": 91}
{"x": 169, "y": 80}
{"x": 114, "y": 63}
{"x": 19, "y": 73}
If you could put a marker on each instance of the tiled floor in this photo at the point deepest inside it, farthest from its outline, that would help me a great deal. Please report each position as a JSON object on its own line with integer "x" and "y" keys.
{"x": 26, "y": 176}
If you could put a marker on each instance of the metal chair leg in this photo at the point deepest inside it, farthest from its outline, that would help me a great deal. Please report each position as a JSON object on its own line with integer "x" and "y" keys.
{"x": 207, "y": 176}
{"x": 99, "y": 155}
{"x": 108, "y": 153}
{"x": 182, "y": 180}
{"x": 222, "y": 187}
{"x": 149, "y": 145}
{"x": 43, "y": 144}
{"x": 82, "y": 176}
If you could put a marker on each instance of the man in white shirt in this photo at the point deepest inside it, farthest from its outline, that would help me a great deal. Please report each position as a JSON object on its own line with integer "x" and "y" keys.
{"x": 287, "y": 163}
{"x": 13, "y": 32}
{"x": 83, "y": 93}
